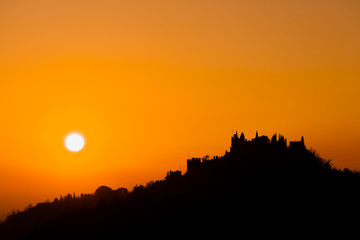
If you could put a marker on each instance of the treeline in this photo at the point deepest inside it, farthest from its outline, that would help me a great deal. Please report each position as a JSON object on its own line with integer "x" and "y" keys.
{"x": 226, "y": 194}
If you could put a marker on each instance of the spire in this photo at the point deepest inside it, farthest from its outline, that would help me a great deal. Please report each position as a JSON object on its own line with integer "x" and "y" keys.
{"x": 257, "y": 135}
{"x": 235, "y": 136}
{"x": 242, "y": 137}
{"x": 274, "y": 138}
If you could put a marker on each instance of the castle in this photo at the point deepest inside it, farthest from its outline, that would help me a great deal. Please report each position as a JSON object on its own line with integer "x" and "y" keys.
{"x": 240, "y": 143}
{"x": 241, "y": 147}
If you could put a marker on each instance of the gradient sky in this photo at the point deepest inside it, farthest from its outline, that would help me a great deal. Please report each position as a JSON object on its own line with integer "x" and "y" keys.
{"x": 149, "y": 83}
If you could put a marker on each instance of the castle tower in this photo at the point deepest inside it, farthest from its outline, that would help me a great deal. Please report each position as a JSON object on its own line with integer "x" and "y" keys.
{"x": 242, "y": 137}
{"x": 274, "y": 138}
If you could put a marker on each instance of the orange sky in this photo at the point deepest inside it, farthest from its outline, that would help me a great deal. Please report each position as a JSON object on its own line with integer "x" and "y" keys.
{"x": 149, "y": 83}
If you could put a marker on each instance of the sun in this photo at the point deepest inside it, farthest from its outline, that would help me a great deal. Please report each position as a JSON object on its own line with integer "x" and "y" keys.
{"x": 74, "y": 142}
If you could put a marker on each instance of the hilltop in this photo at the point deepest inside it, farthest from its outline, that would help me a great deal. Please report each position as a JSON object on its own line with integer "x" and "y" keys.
{"x": 262, "y": 183}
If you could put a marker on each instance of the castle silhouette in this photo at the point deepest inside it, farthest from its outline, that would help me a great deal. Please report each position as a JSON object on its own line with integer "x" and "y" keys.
{"x": 243, "y": 148}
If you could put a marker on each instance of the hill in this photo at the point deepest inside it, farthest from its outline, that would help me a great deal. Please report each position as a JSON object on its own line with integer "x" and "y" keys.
{"x": 261, "y": 185}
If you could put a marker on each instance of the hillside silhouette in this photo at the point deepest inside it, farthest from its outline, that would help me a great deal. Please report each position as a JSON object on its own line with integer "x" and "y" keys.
{"x": 260, "y": 186}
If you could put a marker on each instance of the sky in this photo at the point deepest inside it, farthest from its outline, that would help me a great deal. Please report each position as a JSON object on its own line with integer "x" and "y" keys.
{"x": 151, "y": 83}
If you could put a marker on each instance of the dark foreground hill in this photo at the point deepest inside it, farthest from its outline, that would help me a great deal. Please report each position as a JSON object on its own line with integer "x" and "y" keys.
{"x": 263, "y": 186}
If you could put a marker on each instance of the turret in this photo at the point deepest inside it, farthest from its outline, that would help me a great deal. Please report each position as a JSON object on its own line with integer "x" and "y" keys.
{"x": 298, "y": 145}
{"x": 274, "y": 138}
{"x": 242, "y": 137}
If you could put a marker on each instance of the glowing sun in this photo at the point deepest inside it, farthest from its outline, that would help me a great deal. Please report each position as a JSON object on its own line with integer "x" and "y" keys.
{"x": 74, "y": 142}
